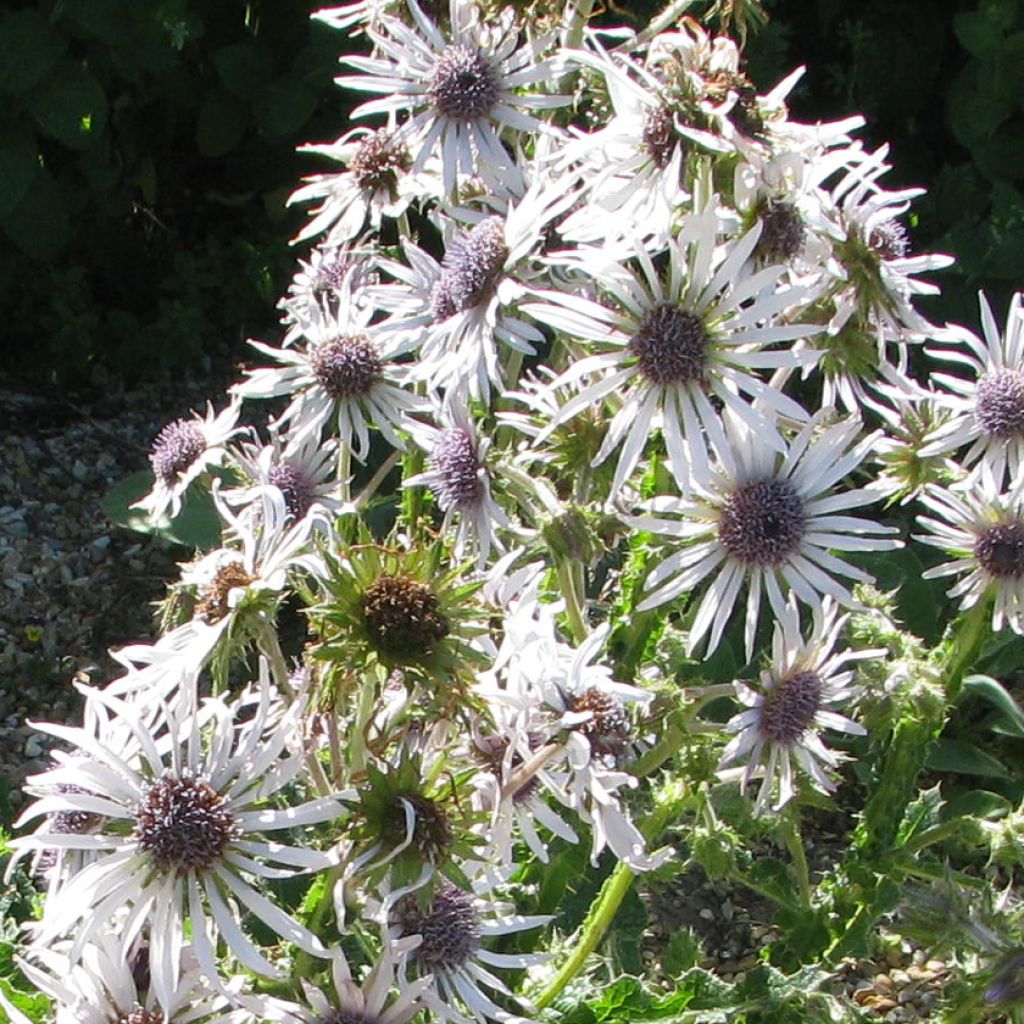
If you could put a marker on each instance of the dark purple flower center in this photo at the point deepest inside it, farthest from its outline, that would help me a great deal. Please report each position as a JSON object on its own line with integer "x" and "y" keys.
{"x": 889, "y": 240}
{"x": 213, "y": 603}
{"x": 659, "y": 135}
{"x": 1000, "y": 550}
{"x": 183, "y": 825}
{"x": 378, "y": 161}
{"x": 790, "y": 708}
{"x": 176, "y": 448}
{"x": 295, "y": 486}
{"x": 782, "y": 231}
{"x": 999, "y": 403}
{"x": 454, "y": 460}
{"x": 450, "y": 928}
{"x": 762, "y": 522}
{"x": 346, "y": 367}
{"x": 670, "y": 345}
{"x": 464, "y": 85}
{"x": 470, "y": 269}
{"x": 330, "y": 274}
{"x": 608, "y": 728}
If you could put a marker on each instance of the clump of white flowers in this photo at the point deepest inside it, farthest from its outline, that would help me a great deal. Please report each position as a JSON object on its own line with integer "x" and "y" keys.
{"x": 583, "y": 301}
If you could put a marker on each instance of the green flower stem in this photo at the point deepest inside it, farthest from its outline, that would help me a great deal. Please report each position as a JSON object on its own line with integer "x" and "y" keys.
{"x": 573, "y": 606}
{"x": 970, "y": 636}
{"x": 412, "y": 497}
{"x": 604, "y": 908}
{"x": 578, "y": 15}
{"x": 344, "y": 469}
{"x": 377, "y": 479}
{"x": 270, "y": 645}
{"x": 668, "y": 17}
{"x": 791, "y": 836}
{"x": 302, "y": 965}
{"x": 602, "y": 913}
{"x": 668, "y": 745}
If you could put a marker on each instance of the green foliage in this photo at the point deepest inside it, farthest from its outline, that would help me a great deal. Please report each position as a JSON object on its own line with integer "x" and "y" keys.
{"x": 145, "y": 154}
{"x": 701, "y": 997}
{"x": 196, "y": 526}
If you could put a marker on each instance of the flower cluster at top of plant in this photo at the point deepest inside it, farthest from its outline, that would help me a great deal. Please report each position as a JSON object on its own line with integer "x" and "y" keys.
{"x": 600, "y": 364}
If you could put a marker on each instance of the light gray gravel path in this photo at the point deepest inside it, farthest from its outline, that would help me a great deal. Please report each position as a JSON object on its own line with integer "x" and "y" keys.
{"x": 72, "y": 584}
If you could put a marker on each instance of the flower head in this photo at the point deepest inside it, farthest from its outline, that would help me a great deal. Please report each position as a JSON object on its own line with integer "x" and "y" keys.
{"x": 674, "y": 344}
{"x": 983, "y": 529}
{"x": 465, "y": 93}
{"x": 185, "y": 817}
{"x": 791, "y": 704}
{"x": 986, "y": 412}
{"x": 181, "y": 452}
{"x": 766, "y": 520}
{"x": 346, "y": 372}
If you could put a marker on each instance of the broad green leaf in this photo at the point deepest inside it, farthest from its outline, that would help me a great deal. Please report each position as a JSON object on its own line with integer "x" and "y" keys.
{"x": 19, "y": 158}
{"x": 977, "y": 803}
{"x": 38, "y": 224}
{"x": 29, "y": 50}
{"x": 922, "y": 814}
{"x": 196, "y": 526}
{"x": 977, "y": 34}
{"x": 284, "y": 108}
{"x": 70, "y": 106}
{"x": 963, "y": 758}
{"x": 243, "y": 68}
{"x": 991, "y": 690}
{"x": 221, "y": 124}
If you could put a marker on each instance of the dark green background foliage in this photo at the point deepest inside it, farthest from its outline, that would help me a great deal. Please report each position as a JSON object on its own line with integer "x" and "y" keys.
{"x": 146, "y": 150}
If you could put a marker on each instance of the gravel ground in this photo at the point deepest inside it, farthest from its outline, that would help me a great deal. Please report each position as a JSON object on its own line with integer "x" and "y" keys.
{"x": 74, "y": 585}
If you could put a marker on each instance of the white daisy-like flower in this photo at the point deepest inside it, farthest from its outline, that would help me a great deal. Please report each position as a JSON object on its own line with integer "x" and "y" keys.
{"x": 766, "y": 521}
{"x": 791, "y": 705}
{"x": 232, "y": 582}
{"x": 874, "y": 255}
{"x": 303, "y": 472}
{"x": 592, "y": 709}
{"x": 987, "y": 411}
{"x": 347, "y": 372}
{"x": 454, "y": 928}
{"x": 675, "y": 342}
{"x": 182, "y": 452}
{"x": 573, "y": 729}
{"x": 332, "y": 278}
{"x": 184, "y": 829}
{"x": 462, "y": 93}
{"x": 375, "y": 184}
{"x": 633, "y": 166}
{"x": 103, "y": 986}
{"x": 460, "y": 482}
{"x": 984, "y": 531}
{"x": 461, "y": 313}
{"x": 372, "y": 1002}
{"x": 512, "y": 782}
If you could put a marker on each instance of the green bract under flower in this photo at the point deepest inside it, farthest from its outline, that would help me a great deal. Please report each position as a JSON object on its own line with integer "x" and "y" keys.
{"x": 404, "y": 611}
